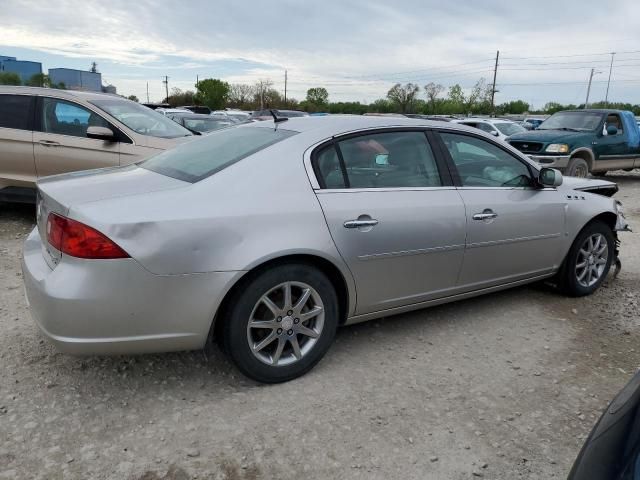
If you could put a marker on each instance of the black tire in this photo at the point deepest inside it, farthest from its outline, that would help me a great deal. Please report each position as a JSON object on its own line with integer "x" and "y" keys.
{"x": 578, "y": 167}
{"x": 568, "y": 276}
{"x": 599, "y": 174}
{"x": 241, "y": 307}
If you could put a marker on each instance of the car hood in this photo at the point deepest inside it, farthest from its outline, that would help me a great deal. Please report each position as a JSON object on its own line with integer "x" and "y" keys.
{"x": 602, "y": 187}
{"x": 551, "y": 136}
{"x": 167, "y": 143}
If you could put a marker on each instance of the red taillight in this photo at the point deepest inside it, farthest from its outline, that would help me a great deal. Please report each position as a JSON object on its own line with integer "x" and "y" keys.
{"x": 78, "y": 240}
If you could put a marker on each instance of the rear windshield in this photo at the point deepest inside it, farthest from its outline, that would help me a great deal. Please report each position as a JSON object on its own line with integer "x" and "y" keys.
{"x": 207, "y": 155}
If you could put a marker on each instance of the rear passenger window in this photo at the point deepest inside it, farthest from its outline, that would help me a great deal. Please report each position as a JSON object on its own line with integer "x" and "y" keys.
{"x": 14, "y": 111}
{"x": 381, "y": 160}
{"x": 66, "y": 118}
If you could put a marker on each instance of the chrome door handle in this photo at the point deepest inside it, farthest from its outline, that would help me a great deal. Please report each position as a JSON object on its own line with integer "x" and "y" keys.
{"x": 485, "y": 215}
{"x": 360, "y": 223}
{"x": 49, "y": 143}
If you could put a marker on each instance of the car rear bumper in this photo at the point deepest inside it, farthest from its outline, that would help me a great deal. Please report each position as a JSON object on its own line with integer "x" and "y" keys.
{"x": 551, "y": 161}
{"x": 90, "y": 307}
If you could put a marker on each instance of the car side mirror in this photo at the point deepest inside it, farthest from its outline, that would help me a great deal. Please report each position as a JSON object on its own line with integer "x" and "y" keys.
{"x": 101, "y": 133}
{"x": 550, "y": 177}
{"x": 495, "y": 133}
{"x": 612, "y": 130}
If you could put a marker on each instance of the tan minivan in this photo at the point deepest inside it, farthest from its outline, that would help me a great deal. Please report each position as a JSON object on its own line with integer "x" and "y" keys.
{"x": 45, "y": 131}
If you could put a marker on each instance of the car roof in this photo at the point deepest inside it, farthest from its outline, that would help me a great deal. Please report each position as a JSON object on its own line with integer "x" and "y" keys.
{"x": 86, "y": 95}
{"x": 480, "y": 119}
{"x": 187, "y": 114}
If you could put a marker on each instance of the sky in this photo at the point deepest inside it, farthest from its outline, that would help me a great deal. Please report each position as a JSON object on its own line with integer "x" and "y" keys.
{"x": 357, "y": 49}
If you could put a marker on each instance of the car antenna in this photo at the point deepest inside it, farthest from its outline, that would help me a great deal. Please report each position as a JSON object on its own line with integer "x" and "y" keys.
{"x": 277, "y": 119}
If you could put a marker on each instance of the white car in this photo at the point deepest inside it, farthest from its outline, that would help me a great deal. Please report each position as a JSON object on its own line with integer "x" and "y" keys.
{"x": 235, "y": 115}
{"x": 168, "y": 111}
{"x": 497, "y": 127}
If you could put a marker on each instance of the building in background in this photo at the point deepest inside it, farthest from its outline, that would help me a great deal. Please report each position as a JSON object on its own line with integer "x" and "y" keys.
{"x": 76, "y": 79}
{"x": 23, "y": 68}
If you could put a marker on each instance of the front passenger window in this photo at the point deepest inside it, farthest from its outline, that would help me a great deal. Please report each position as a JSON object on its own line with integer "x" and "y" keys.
{"x": 66, "y": 118}
{"x": 482, "y": 164}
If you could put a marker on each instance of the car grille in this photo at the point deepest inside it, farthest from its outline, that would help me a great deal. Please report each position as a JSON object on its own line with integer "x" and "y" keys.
{"x": 527, "y": 146}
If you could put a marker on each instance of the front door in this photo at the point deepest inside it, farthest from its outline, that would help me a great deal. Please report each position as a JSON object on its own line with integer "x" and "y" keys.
{"x": 17, "y": 167}
{"x": 61, "y": 144}
{"x": 514, "y": 229}
{"x": 394, "y": 216}
{"x": 613, "y": 151}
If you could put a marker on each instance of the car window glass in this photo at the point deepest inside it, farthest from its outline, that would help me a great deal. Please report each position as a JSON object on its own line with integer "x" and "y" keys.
{"x": 328, "y": 168}
{"x": 14, "y": 111}
{"x": 66, "y": 118}
{"x": 482, "y": 164}
{"x": 485, "y": 127}
{"x": 394, "y": 159}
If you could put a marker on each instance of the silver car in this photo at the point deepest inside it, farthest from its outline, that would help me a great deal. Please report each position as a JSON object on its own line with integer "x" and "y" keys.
{"x": 268, "y": 236}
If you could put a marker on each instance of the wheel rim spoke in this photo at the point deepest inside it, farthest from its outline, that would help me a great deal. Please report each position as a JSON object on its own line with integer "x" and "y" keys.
{"x": 268, "y": 339}
{"x": 581, "y": 275}
{"x": 302, "y": 301}
{"x": 276, "y": 356}
{"x": 308, "y": 331}
{"x": 581, "y": 265}
{"x": 287, "y": 296}
{"x": 314, "y": 312}
{"x": 270, "y": 305}
{"x": 263, "y": 324}
{"x": 296, "y": 347}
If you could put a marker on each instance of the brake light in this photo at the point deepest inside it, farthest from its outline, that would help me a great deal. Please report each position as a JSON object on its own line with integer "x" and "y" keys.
{"x": 79, "y": 240}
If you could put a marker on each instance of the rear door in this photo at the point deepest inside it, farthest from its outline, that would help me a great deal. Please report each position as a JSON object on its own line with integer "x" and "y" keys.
{"x": 17, "y": 167}
{"x": 61, "y": 144}
{"x": 514, "y": 229}
{"x": 394, "y": 215}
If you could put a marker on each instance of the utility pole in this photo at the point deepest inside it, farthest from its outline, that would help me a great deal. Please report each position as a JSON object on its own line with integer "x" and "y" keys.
{"x": 593, "y": 72}
{"x": 606, "y": 97}
{"x": 166, "y": 86}
{"x": 493, "y": 89}
{"x": 147, "y": 92}
{"x": 285, "y": 89}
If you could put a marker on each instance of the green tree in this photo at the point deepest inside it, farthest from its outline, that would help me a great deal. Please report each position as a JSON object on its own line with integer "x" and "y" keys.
{"x": 9, "y": 78}
{"x": 133, "y": 98}
{"x": 213, "y": 93}
{"x": 433, "y": 90}
{"x": 456, "y": 97}
{"x": 514, "y": 106}
{"x": 318, "y": 96}
{"x": 38, "y": 80}
{"x": 404, "y": 96}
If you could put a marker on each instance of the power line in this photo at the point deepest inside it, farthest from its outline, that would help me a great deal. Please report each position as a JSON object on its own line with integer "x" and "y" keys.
{"x": 570, "y": 56}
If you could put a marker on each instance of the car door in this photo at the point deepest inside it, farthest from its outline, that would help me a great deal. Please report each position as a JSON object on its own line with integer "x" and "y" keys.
{"x": 394, "y": 216}
{"x": 613, "y": 151}
{"x": 17, "y": 166}
{"x": 514, "y": 229}
{"x": 61, "y": 143}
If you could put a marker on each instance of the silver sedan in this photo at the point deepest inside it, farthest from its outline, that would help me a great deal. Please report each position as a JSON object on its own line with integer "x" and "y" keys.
{"x": 270, "y": 235}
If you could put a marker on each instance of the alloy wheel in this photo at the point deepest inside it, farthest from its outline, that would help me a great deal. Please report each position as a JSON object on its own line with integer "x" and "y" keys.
{"x": 285, "y": 323}
{"x": 592, "y": 260}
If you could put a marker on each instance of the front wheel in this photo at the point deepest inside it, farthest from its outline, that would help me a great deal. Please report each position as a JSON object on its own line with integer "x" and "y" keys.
{"x": 578, "y": 167}
{"x": 281, "y": 323}
{"x": 589, "y": 260}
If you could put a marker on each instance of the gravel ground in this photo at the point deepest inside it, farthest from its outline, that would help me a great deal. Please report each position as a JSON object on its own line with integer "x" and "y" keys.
{"x": 503, "y": 386}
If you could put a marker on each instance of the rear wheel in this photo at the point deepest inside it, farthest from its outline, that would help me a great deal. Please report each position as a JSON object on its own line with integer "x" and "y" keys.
{"x": 281, "y": 323}
{"x": 589, "y": 260}
{"x": 578, "y": 167}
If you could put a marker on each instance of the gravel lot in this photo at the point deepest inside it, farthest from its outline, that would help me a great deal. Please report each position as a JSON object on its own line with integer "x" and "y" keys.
{"x": 504, "y": 386}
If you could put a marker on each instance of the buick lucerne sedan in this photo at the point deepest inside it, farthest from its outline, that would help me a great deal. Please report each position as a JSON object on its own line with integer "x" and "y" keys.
{"x": 268, "y": 236}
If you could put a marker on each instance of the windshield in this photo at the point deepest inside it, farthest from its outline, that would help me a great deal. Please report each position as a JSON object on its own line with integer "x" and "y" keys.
{"x": 141, "y": 119}
{"x": 509, "y": 128}
{"x": 205, "y": 124}
{"x": 207, "y": 155}
{"x": 290, "y": 113}
{"x": 578, "y": 121}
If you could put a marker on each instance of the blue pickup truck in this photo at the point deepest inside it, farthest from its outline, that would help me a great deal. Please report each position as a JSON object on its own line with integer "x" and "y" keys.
{"x": 580, "y": 142}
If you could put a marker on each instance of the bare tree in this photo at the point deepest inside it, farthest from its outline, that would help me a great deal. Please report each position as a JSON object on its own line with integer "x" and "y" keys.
{"x": 477, "y": 95}
{"x": 403, "y": 96}
{"x": 433, "y": 90}
{"x": 261, "y": 87}
{"x": 240, "y": 94}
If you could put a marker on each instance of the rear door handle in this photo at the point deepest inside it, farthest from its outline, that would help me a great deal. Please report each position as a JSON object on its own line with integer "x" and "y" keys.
{"x": 360, "y": 223}
{"x": 487, "y": 214}
{"x": 49, "y": 143}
